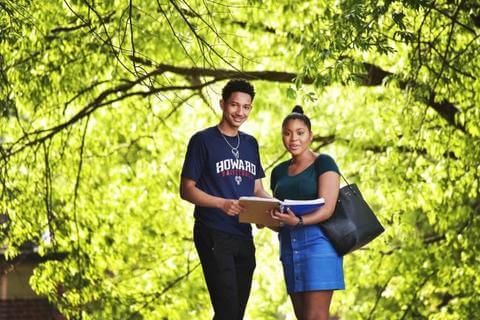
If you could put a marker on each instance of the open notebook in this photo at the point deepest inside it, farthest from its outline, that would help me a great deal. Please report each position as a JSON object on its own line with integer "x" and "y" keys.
{"x": 256, "y": 208}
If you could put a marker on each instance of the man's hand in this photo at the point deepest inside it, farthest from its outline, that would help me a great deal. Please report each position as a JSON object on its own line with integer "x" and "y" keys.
{"x": 231, "y": 207}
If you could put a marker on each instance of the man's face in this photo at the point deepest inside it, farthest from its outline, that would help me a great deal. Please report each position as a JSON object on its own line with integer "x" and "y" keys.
{"x": 236, "y": 109}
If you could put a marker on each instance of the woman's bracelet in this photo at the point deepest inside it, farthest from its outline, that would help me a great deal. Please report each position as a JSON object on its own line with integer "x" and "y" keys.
{"x": 300, "y": 222}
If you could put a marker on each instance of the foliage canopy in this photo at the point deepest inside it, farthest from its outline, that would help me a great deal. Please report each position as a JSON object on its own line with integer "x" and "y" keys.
{"x": 98, "y": 100}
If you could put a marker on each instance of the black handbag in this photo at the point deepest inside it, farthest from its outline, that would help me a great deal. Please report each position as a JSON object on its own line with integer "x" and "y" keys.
{"x": 353, "y": 224}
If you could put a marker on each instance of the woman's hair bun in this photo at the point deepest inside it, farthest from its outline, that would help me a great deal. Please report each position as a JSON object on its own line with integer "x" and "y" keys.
{"x": 298, "y": 109}
{"x": 297, "y": 114}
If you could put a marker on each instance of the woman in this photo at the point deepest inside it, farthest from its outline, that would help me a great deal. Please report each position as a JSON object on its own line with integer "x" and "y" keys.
{"x": 312, "y": 268}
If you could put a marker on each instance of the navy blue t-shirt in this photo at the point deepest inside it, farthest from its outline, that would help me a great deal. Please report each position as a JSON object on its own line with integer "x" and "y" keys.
{"x": 211, "y": 164}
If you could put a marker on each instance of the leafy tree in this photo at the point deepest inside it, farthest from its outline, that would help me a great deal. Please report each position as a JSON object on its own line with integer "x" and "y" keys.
{"x": 98, "y": 100}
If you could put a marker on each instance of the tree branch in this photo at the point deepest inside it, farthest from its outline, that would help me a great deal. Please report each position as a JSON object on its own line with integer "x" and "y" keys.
{"x": 373, "y": 76}
{"x": 454, "y": 18}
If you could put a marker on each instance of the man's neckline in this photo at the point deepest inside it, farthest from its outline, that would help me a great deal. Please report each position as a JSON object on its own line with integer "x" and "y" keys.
{"x": 226, "y": 134}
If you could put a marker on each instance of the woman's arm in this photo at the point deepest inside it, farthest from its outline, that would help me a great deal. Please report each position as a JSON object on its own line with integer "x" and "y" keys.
{"x": 328, "y": 188}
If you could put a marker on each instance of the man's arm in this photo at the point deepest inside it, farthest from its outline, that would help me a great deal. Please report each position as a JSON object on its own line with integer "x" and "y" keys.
{"x": 259, "y": 191}
{"x": 190, "y": 192}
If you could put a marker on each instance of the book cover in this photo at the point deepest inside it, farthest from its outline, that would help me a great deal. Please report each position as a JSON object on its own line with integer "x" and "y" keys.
{"x": 257, "y": 211}
{"x": 302, "y": 207}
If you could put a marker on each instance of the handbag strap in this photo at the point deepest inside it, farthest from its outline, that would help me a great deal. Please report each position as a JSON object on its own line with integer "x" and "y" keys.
{"x": 349, "y": 185}
{"x": 345, "y": 179}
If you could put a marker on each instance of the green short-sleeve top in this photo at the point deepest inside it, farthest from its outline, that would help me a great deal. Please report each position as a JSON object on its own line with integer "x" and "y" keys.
{"x": 304, "y": 185}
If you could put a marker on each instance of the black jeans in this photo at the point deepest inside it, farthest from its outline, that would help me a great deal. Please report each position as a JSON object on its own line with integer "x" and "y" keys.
{"x": 228, "y": 262}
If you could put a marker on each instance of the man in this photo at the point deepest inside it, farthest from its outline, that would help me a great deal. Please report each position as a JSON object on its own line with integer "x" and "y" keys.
{"x": 221, "y": 165}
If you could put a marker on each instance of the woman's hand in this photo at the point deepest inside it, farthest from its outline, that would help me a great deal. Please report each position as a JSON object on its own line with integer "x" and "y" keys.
{"x": 285, "y": 218}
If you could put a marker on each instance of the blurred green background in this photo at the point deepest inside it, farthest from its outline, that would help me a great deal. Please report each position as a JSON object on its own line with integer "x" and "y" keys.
{"x": 99, "y": 98}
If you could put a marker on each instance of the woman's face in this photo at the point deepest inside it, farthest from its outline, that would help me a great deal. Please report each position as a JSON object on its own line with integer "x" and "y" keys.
{"x": 296, "y": 136}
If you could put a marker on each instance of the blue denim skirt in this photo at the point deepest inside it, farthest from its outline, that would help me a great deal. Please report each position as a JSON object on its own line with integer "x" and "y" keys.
{"x": 310, "y": 263}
